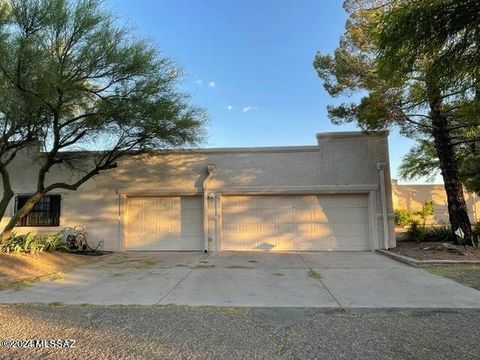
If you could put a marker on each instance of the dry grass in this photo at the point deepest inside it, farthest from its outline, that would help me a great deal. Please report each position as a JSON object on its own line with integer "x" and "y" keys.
{"x": 465, "y": 274}
{"x": 204, "y": 266}
{"x": 314, "y": 275}
{"x": 20, "y": 270}
{"x": 239, "y": 267}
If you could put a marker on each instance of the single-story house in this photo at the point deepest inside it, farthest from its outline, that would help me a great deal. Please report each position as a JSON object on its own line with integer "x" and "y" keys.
{"x": 335, "y": 195}
{"x": 413, "y": 196}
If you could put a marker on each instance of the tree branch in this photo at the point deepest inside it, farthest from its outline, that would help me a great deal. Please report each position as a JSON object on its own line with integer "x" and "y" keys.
{"x": 469, "y": 141}
{"x": 82, "y": 180}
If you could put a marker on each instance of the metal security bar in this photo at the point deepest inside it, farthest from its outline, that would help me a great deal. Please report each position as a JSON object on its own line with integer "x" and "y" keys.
{"x": 45, "y": 213}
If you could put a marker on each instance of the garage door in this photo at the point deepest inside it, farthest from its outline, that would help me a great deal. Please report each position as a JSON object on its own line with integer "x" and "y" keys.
{"x": 164, "y": 223}
{"x": 295, "y": 223}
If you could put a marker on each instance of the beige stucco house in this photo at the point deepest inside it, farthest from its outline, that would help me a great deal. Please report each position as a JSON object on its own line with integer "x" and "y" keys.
{"x": 335, "y": 195}
{"x": 413, "y": 196}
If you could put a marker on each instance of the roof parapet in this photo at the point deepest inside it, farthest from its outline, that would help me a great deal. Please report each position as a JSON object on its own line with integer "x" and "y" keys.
{"x": 349, "y": 134}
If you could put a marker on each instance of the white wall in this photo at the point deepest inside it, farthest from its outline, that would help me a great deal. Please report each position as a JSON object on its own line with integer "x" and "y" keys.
{"x": 341, "y": 160}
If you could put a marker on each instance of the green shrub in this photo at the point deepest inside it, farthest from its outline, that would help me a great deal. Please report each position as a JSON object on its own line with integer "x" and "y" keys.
{"x": 416, "y": 232}
{"x": 439, "y": 233}
{"x": 13, "y": 244}
{"x": 55, "y": 242}
{"x": 403, "y": 217}
{"x": 425, "y": 212}
{"x": 419, "y": 233}
{"x": 33, "y": 243}
{"x": 476, "y": 233}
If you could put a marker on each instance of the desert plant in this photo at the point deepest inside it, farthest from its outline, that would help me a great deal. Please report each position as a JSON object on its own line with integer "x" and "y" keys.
{"x": 425, "y": 211}
{"x": 55, "y": 242}
{"x": 13, "y": 244}
{"x": 416, "y": 232}
{"x": 419, "y": 233}
{"x": 33, "y": 243}
{"x": 438, "y": 233}
{"x": 403, "y": 217}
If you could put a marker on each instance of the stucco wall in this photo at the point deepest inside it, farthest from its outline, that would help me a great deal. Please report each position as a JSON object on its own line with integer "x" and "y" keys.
{"x": 413, "y": 196}
{"x": 340, "y": 162}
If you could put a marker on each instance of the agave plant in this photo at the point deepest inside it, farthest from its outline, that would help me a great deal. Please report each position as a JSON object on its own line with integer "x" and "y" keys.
{"x": 33, "y": 243}
{"x": 55, "y": 242}
{"x": 13, "y": 244}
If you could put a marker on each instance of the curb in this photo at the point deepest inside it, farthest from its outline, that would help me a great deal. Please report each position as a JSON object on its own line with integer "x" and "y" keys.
{"x": 419, "y": 263}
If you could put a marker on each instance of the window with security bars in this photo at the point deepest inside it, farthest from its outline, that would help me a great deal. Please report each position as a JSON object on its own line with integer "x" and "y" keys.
{"x": 45, "y": 213}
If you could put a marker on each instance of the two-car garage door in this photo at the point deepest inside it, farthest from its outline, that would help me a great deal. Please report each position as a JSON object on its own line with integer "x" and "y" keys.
{"x": 270, "y": 222}
{"x": 295, "y": 222}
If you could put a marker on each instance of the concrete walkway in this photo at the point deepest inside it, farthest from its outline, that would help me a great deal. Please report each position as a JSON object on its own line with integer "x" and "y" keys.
{"x": 339, "y": 279}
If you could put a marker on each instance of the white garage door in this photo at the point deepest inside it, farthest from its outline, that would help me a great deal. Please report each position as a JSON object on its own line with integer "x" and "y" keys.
{"x": 164, "y": 223}
{"x": 295, "y": 223}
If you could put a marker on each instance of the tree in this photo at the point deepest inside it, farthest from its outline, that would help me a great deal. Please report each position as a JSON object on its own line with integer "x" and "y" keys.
{"x": 422, "y": 162}
{"x": 456, "y": 32}
{"x": 16, "y": 134}
{"x": 20, "y": 119}
{"x": 410, "y": 83}
{"x": 87, "y": 84}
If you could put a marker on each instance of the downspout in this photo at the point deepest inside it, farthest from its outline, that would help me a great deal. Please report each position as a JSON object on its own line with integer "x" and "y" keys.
{"x": 211, "y": 172}
{"x": 383, "y": 197}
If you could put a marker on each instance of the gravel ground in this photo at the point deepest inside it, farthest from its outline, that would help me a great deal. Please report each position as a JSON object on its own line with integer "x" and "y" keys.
{"x": 164, "y": 332}
{"x": 465, "y": 274}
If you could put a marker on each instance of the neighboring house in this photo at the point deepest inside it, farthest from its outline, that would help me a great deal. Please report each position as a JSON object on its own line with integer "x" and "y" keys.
{"x": 332, "y": 196}
{"x": 413, "y": 196}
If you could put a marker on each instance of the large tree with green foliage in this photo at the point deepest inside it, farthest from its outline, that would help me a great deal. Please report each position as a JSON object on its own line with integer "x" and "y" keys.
{"x": 422, "y": 162}
{"x": 454, "y": 39}
{"x": 414, "y": 63}
{"x": 72, "y": 79}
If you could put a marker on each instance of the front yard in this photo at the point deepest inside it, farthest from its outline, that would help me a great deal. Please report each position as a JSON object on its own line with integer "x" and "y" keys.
{"x": 465, "y": 260}
{"x": 436, "y": 251}
{"x": 465, "y": 274}
{"x": 20, "y": 270}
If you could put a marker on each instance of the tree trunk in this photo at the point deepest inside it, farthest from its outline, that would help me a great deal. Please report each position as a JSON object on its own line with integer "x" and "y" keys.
{"x": 7, "y": 190}
{"x": 7, "y": 231}
{"x": 457, "y": 208}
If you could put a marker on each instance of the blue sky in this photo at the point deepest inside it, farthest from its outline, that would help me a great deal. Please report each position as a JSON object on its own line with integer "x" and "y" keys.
{"x": 249, "y": 63}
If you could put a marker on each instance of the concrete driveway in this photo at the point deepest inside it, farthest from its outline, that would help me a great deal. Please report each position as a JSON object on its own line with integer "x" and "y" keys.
{"x": 327, "y": 279}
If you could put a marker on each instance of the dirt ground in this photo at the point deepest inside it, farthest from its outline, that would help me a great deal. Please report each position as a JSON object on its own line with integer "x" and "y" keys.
{"x": 18, "y": 270}
{"x": 466, "y": 274}
{"x": 414, "y": 250}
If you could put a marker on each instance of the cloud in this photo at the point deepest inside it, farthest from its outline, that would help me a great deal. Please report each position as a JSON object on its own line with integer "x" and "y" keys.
{"x": 211, "y": 84}
{"x": 230, "y": 107}
{"x": 198, "y": 81}
{"x": 249, "y": 108}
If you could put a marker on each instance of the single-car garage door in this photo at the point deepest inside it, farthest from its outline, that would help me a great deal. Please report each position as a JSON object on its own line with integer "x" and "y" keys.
{"x": 295, "y": 222}
{"x": 164, "y": 223}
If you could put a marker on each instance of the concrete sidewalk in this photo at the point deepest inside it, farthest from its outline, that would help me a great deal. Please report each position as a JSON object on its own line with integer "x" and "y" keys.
{"x": 337, "y": 279}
